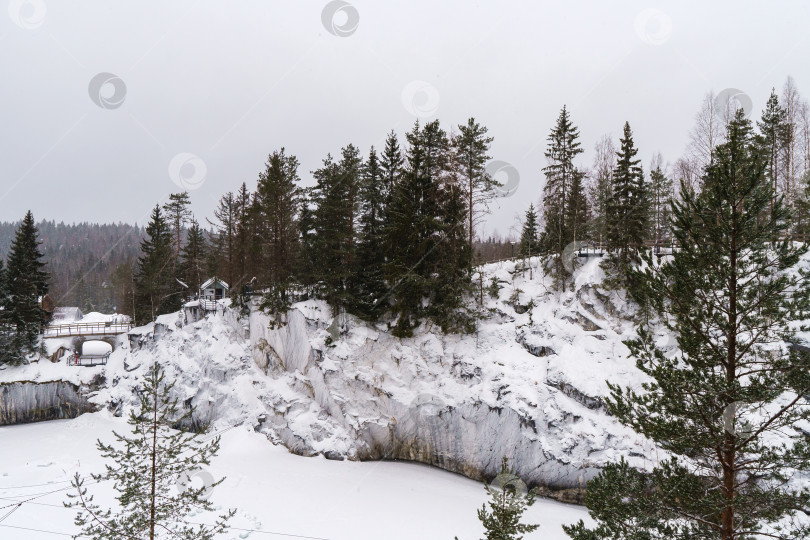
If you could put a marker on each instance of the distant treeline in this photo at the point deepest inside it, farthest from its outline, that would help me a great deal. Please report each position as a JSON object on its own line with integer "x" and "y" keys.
{"x": 88, "y": 263}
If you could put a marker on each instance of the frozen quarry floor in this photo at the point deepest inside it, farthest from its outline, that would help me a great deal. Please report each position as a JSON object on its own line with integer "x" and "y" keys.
{"x": 273, "y": 490}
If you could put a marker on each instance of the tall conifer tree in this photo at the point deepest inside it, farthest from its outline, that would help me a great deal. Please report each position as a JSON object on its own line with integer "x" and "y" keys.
{"x": 415, "y": 224}
{"x": 564, "y": 204}
{"x": 471, "y": 146}
{"x": 193, "y": 257}
{"x": 156, "y": 288}
{"x": 275, "y": 209}
{"x": 177, "y": 215}
{"x": 627, "y": 218}
{"x": 370, "y": 277}
{"x": 727, "y": 403}
{"x": 529, "y": 243}
{"x": 26, "y": 281}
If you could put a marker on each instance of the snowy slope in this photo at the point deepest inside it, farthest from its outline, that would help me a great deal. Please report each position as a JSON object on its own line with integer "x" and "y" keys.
{"x": 528, "y": 385}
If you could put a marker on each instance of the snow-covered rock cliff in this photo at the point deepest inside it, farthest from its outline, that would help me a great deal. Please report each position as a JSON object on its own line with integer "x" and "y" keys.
{"x": 529, "y": 384}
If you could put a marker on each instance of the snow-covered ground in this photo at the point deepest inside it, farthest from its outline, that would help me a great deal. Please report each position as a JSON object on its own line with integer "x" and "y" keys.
{"x": 273, "y": 490}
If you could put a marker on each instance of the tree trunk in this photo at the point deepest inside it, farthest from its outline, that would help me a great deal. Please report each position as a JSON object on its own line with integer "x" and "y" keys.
{"x": 728, "y": 451}
{"x": 154, "y": 470}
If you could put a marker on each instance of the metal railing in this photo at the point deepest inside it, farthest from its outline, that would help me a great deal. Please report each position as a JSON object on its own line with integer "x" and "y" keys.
{"x": 208, "y": 305}
{"x": 88, "y": 360}
{"x": 107, "y": 328}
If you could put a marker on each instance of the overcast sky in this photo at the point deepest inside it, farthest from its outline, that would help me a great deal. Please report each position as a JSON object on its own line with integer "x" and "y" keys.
{"x": 199, "y": 92}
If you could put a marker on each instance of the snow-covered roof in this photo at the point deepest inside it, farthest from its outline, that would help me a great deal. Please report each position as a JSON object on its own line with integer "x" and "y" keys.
{"x": 210, "y": 282}
{"x": 67, "y": 314}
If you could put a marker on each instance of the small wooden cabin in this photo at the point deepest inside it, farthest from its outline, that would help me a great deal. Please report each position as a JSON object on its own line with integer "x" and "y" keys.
{"x": 214, "y": 289}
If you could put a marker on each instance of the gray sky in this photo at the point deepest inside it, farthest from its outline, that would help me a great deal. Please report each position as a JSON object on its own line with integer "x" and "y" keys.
{"x": 228, "y": 82}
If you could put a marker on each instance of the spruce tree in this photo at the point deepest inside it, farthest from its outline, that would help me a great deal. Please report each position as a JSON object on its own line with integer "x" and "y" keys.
{"x": 391, "y": 163}
{"x": 577, "y": 212}
{"x": 336, "y": 198}
{"x": 391, "y": 170}
{"x": 243, "y": 232}
{"x": 25, "y": 282}
{"x": 156, "y": 288}
{"x": 627, "y": 217}
{"x": 193, "y": 257}
{"x": 275, "y": 231}
{"x": 10, "y": 350}
{"x": 564, "y": 204}
{"x": 225, "y": 239}
{"x": 727, "y": 404}
{"x": 151, "y": 471}
{"x": 471, "y": 146}
{"x": 415, "y": 226}
{"x": 370, "y": 275}
{"x": 529, "y": 243}
{"x": 451, "y": 279}
{"x": 502, "y": 520}
{"x": 177, "y": 215}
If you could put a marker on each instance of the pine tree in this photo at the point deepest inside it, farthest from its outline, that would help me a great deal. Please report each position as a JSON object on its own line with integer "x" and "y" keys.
{"x": 471, "y": 147}
{"x": 529, "y": 243}
{"x": 772, "y": 131}
{"x": 627, "y": 217}
{"x": 727, "y": 403}
{"x": 25, "y": 282}
{"x": 564, "y": 205}
{"x": 146, "y": 469}
{"x": 506, "y": 507}
{"x": 156, "y": 289}
{"x": 193, "y": 256}
{"x": 177, "y": 215}
{"x": 370, "y": 275}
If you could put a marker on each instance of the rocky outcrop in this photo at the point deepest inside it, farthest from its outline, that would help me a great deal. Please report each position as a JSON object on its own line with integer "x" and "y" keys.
{"x": 26, "y": 401}
{"x": 373, "y": 393}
